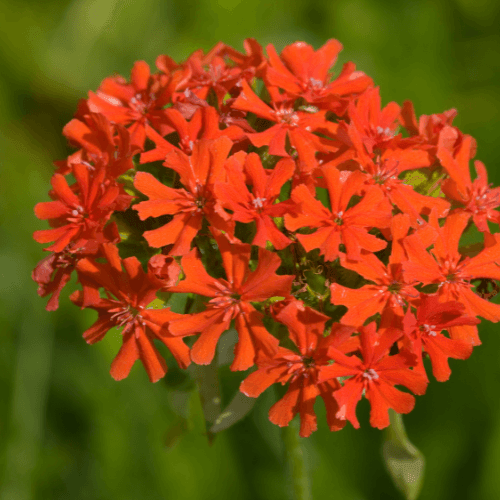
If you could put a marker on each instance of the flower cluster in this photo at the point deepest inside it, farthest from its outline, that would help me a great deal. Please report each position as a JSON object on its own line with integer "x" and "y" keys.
{"x": 345, "y": 241}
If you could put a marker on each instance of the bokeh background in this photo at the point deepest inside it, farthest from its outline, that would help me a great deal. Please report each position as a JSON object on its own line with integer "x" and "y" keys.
{"x": 67, "y": 430}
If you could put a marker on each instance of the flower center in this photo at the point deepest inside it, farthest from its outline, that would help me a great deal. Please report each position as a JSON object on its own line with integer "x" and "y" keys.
{"x": 384, "y": 131}
{"x": 287, "y": 116}
{"x": 258, "y": 202}
{"x": 125, "y": 315}
{"x": 394, "y": 287}
{"x": 483, "y": 199}
{"x": 429, "y": 329}
{"x": 338, "y": 218}
{"x": 138, "y": 104}
{"x": 370, "y": 374}
{"x": 315, "y": 84}
{"x": 78, "y": 212}
{"x": 308, "y": 361}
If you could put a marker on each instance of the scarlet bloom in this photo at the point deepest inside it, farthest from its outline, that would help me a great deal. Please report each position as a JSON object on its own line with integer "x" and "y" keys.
{"x": 288, "y": 122}
{"x": 369, "y": 123}
{"x": 340, "y": 224}
{"x": 383, "y": 173}
{"x": 306, "y": 328}
{"x": 424, "y": 332}
{"x": 231, "y": 299}
{"x": 303, "y": 72}
{"x": 204, "y": 124}
{"x": 390, "y": 291}
{"x": 79, "y": 213}
{"x": 138, "y": 103}
{"x": 453, "y": 272}
{"x": 376, "y": 374}
{"x": 212, "y": 72}
{"x": 433, "y": 132}
{"x": 477, "y": 197}
{"x": 189, "y": 206}
{"x": 129, "y": 291}
{"x": 259, "y": 204}
{"x": 52, "y": 274}
{"x": 103, "y": 145}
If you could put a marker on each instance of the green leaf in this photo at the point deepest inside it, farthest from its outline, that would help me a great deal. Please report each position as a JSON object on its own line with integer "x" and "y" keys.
{"x": 178, "y": 302}
{"x": 207, "y": 379}
{"x": 404, "y": 462}
{"x": 238, "y": 408}
{"x": 225, "y": 347}
{"x": 196, "y": 416}
{"x": 157, "y": 304}
{"x": 424, "y": 181}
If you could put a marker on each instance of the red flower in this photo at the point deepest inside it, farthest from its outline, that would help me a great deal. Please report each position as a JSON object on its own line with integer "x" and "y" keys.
{"x": 138, "y": 103}
{"x": 103, "y": 146}
{"x": 340, "y": 224}
{"x": 204, "y": 124}
{"x": 54, "y": 271}
{"x": 391, "y": 290}
{"x": 288, "y": 122}
{"x": 211, "y": 72}
{"x": 189, "y": 206}
{"x": 259, "y": 204}
{"x": 478, "y": 198}
{"x": 133, "y": 290}
{"x": 306, "y": 328}
{"x": 383, "y": 174}
{"x": 373, "y": 126}
{"x": 423, "y": 331}
{"x": 453, "y": 273}
{"x": 231, "y": 299}
{"x": 79, "y": 213}
{"x": 376, "y": 375}
{"x": 433, "y": 131}
{"x": 303, "y": 72}
{"x": 252, "y": 62}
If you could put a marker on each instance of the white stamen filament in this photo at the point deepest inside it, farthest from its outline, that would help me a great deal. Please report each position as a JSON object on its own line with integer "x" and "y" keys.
{"x": 258, "y": 202}
{"x": 371, "y": 374}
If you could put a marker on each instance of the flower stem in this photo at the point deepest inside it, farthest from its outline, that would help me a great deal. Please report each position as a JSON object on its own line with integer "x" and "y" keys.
{"x": 295, "y": 465}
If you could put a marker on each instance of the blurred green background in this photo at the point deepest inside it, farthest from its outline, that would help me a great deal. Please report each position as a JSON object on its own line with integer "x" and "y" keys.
{"x": 67, "y": 430}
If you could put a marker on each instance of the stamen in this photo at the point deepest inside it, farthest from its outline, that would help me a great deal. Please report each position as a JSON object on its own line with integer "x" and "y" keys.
{"x": 371, "y": 374}
{"x": 258, "y": 202}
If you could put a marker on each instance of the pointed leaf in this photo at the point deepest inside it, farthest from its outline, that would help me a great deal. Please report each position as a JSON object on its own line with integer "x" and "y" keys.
{"x": 238, "y": 408}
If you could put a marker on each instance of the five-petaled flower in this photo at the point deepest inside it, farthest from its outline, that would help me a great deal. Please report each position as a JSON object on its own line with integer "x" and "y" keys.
{"x": 231, "y": 298}
{"x": 341, "y": 223}
{"x": 130, "y": 292}
{"x": 198, "y": 174}
{"x": 301, "y": 370}
{"x": 375, "y": 374}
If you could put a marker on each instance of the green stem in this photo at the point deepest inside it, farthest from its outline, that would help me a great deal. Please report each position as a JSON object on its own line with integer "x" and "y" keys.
{"x": 294, "y": 463}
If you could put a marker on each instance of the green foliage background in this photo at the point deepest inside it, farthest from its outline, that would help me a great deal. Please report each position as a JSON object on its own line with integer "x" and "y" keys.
{"x": 67, "y": 430}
